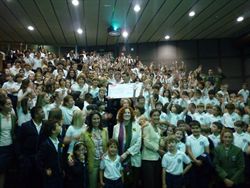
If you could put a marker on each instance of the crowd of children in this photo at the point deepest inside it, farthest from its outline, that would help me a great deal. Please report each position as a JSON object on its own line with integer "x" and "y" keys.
{"x": 59, "y": 128}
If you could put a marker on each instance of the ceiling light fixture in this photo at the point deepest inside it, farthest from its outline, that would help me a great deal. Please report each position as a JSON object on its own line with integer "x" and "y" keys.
{"x": 31, "y": 28}
{"x": 137, "y": 8}
{"x": 75, "y": 2}
{"x": 167, "y": 37}
{"x": 79, "y": 31}
{"x": 191, "y": 14}
{"x": 125, "y": 34}
{"x": 240, "y": 19}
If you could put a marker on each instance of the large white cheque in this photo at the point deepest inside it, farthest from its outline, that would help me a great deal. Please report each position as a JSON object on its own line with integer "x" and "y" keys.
{"x": 116, "y": 91}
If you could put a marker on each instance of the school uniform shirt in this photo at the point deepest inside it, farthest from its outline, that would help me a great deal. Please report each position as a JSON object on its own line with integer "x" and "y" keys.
{"x": 5, "y": 130}
{"x": 112, "y": 169}
{"x": 244, "y": 93}
{"x": 173, "y": 117}
{"x": 197, "y": 145}
{"x": 201, "y": 118}
{"x": 83, "y": 89}
{"x": 213, "y": 119}
{"x": 241, "y": 140}
{"x": 73, "y": 132}
{"x": 212, "y": 101}
{"x": 22, "y": 118}
{"x": 173, "y": 163}
{"x": 228, "y": 120}
{"x": 151, "y": 143}
{"x": 215, "y": 139}
{"x": 181, "y": 147}
{"x": 68, "y": 114}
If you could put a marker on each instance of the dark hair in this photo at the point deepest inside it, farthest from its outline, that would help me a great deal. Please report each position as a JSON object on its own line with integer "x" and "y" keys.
{"x": 76, "y": 147}
{"x": 24, "y": 104}
{"x": 240, "y": 124}
{"x": 50, "y": 126}
{"x": 195, "y": 123}
{"x": 3, "y": 100}
{"x": 112, "y": 141}
{"x": 34, "y": 111}
{"x": 55, "y": 113}
{"x": 153, "y": 111}
{"x": 218, "y": 125}
{"x": 89, "y": 120}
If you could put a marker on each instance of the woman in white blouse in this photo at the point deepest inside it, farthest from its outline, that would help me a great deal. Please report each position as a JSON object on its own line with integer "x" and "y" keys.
{"x": 128, "y": 134}
{"x": 7, "y": 125}
{"x": 151, "y": 152}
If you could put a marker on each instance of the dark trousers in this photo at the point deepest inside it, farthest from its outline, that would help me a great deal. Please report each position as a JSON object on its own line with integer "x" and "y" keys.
{"x": 151, "y": 174}
{"x": 27, "y": 169}
{"x": 132, "y": 180}
{"x": 113, "y": 183}
{"x": 53, "y": 182}
{"x": 197, "y": 178}
{"x": 174, "y": 181}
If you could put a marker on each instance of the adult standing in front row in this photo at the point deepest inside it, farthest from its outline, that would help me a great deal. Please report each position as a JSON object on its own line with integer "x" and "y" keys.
{"x": 229, "y": 162}
{"x": 95, "y": 139}
{"x": 151, "y": 152}
{"x": 7, "y": 127}
{"x": 128, "y": 134}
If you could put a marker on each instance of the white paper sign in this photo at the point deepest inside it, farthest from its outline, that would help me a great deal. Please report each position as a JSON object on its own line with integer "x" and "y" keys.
{"x": 117, "y": 91}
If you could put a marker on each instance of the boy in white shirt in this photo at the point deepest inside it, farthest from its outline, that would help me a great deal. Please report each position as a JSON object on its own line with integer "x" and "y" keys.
{"x": 241, "y": 139}
{"x": 230, "y": 117}
{"x": 172, "y": 165}
{"x": 111, "y": 175}
{"x": 198, "y": 150}
{"x": 216, "y": 129}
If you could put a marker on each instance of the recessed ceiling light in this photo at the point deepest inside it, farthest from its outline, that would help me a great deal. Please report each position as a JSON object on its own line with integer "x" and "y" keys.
{"x": 79, "y": 30}
{"x": 167, "y": 37}
{"x": 240, "y": 19}
{"x": 137, "y": 8}
{"x": 75, "y": 2}
{"x": 107, "y": 5}
{"x": 125, "y": 34}
{"x": 191, "y": 14}
{"x": 31, "y": 28}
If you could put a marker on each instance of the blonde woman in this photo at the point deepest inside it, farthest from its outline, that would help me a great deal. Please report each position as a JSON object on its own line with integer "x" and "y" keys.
{"x": 76, "y": 128}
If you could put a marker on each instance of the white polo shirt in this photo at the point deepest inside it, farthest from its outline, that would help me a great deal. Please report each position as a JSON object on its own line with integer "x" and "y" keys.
{"x": 112, "y": 169}
{"x": 173, "y": 163}
{"x": 215, "y": 139}
{"x": 197, "y": 144}
{"x": 228, "y": 120}
{"x": 241, "y": 140}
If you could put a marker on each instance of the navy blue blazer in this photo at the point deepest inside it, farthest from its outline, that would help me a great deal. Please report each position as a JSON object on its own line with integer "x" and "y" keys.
{"x": 50, "y": 158}
{"x": 28, "y": 139}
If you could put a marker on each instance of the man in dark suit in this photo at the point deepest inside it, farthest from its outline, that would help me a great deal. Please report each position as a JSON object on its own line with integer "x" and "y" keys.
{"x": 30, "y": 136}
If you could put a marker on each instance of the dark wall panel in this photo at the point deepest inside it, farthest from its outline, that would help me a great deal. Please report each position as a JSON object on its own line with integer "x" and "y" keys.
{"x": 186, "y": 49}
{"x": 208, "y": 48}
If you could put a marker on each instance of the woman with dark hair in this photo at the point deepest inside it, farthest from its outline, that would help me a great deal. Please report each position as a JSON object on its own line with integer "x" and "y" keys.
{"x": 25, "y": 89}
{"x": 7, "y": 127}
{"x": 229, "y": 162}
{"x": 151, "y": 152}
{"x": 128, "y": 134}
{"x": 95, "y": 139}
{"x": 23, "y": 110}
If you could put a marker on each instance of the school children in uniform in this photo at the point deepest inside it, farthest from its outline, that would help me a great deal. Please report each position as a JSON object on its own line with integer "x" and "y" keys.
{"x": 111, "y": 170}
{"x": 173, "y": 165}
{"x": 49, "y": 157}
{"x": 77, "y": 174}
{"x": 198, "y": 151}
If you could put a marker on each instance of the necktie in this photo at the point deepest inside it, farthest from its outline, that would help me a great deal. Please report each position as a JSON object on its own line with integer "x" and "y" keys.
{"x": 121, "y": 139}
